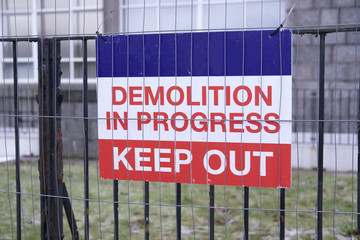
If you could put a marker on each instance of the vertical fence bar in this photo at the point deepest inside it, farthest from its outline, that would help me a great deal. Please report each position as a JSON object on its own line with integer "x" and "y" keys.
{"x": 178, "y": 211}
{"x": 341, "y": 117}
{"x": 321, "y": 136}
{"x": 246, "y": 213}
{"x": 69, "y": 213}
{"x": 146, "y": 211}
{"x": 348, "y": 116}
{"x": 304, "y": 123}
{"x": 56, "y": 165}
{"x": 212, "y": 212}
{"x": 313, "y": 116}
{"x": 41, "y": 101}
{"x": 358, "y": 162}
{"x": 282, "y": 213}
{"x": 17, "y": 144}
{"x": 86, "y": 139}
{"x": 50, "y": 164}
{"x": 332, "y": 113}
{"x": 116, "y": 209}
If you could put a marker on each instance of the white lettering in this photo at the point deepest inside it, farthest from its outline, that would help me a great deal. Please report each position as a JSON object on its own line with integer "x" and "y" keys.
{"x": 121, "y": 158}
{"x": 139, "y": 159}
{"x": 263, "y": 156}
{"x": 247, "y": 164}
{"x": 159, "y": 159}
{"x": 178, "y": 161}
{"x": 207, "y": 164}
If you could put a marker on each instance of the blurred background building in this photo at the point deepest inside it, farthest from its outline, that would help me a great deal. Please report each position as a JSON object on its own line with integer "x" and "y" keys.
{"x": 32, "y": 18}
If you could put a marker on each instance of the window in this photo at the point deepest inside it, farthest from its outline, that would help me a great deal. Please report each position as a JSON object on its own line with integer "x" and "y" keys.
{"x": 185, "y": 15}
{"x": 31, "y": 18}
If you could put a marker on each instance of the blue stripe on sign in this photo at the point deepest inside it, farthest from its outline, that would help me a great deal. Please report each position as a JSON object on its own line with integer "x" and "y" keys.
{"x": 154, "y": 55}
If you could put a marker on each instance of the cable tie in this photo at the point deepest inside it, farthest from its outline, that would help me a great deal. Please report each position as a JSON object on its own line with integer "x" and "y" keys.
{"x": 283, "y": 22}
{"x": 100, "y": 36}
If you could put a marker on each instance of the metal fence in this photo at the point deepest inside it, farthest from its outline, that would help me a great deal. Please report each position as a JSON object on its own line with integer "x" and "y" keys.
{"x": 34, "y": 194}
{"x": 340, "y": 115}
{"x": 28, "y": 108}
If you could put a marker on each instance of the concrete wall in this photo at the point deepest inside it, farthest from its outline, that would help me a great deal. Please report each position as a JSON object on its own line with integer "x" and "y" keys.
{"x": 342, "y": 158}
{"x": 342, "y": 49}
{"x": 342, "y": 55}
{"x": 29, "y": 144}
{"x": 73, "y": 124}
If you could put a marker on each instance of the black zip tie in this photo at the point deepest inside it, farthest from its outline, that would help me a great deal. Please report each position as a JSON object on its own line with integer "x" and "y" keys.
{"x": 100, "y": 36}
{"x": 274, "y": 32}
{"x": 282, "y": 24}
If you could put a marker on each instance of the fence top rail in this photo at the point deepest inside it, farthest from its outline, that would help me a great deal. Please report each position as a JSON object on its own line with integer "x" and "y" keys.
{"x": 36, "y": 39}
{"x": 325, "y": 29}
{"x": 295, "y": 30}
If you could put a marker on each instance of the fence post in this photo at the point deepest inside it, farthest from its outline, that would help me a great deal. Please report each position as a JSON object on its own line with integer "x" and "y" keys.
{"x": 358, "y": 166}
{"x": 147, "y": 211}
{"x": 178, "y": 211}
{"x": 116, "y": 209}
{"x": 212, "y": 212}
{"x": 321, "y": 136}
{"x": 17, "y": 143}
{"x": 282, "y": 213}
{"x": 86, "y": 140}
{"x": 50, "y": 138}
{"x": 246, "y": 213}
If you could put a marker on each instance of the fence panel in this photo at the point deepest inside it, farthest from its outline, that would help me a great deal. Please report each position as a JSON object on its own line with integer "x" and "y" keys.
{"x": 50, "y": 181}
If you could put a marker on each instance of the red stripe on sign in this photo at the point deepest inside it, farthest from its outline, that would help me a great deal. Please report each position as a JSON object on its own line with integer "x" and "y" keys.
{"x": 237, "y": 164}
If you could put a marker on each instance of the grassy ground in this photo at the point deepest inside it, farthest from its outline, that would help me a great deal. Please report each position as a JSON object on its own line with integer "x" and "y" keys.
{"x": 339, "y": 203}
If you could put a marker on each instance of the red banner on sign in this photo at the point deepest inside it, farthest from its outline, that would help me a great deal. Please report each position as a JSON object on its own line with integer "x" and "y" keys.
{"x": 239, "y": 164}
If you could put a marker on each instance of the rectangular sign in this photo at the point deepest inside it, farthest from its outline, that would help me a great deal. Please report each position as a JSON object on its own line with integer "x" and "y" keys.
{"x": 203, "y": 108}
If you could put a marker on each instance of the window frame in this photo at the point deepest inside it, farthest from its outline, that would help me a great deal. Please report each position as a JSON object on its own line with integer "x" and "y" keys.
{"x": 34, "y": 13}
{"x": 198, "y": 12}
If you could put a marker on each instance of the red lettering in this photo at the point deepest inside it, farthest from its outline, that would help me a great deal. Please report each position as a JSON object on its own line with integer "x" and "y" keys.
{"x": 203, "y": 124}
{"x": 141, "y": 121}
{"x": 258, "y": 92}
{"x": 228, "y": 95}
{"x": 248, "y": 99}
{"x": 189, "y": 98}
{"x": 108, "y": 123}
{"x": 133, "y": 95}
{"x": 154, "y": 99}
{"x": 114, "y": 98}
{"x": 273, "y": 123}
{"x": 163, "y": 121}
{"x": 215, "y": 121}
{"x": 233, "y": 122}
{"x": 255, "y": 123}
{"x": 173, "y": 119}
{"x": 123, "y": 121}
{"x": 181, "y": 95}
{"x": 216, "y": 93}
{"x": 203, "y": 95}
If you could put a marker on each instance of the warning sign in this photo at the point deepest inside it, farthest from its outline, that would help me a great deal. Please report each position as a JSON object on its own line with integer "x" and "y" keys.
{"x": 196, "y": 108}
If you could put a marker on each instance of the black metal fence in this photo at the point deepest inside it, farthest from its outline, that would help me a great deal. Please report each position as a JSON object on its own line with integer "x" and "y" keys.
{"x": 28, "y": 108}
{"x": 340, "y": 115}
{"x": 143, "y": 215}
